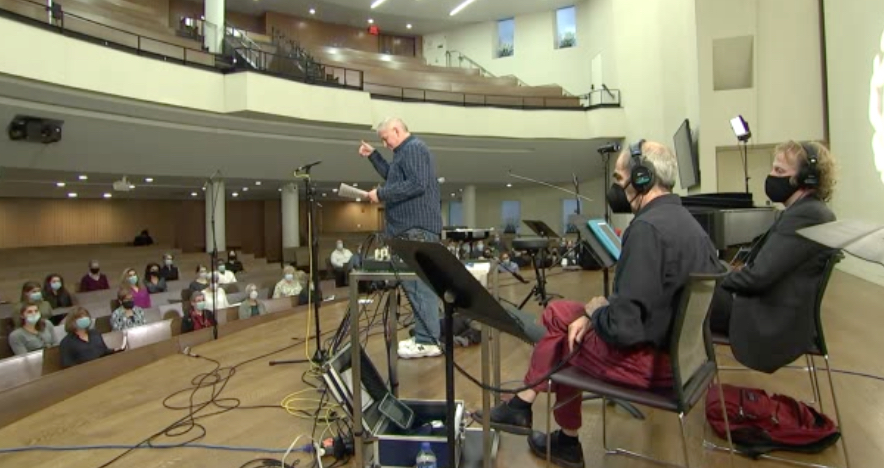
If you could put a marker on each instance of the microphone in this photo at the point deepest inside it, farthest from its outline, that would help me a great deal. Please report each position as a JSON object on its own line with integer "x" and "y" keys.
{"x": 307, "y": 166}
{"x": 186, "y": 352}
{"x": 609, "y": 148}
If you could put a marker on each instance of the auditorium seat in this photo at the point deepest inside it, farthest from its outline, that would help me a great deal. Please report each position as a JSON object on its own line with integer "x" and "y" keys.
{"x": 144, "y": 335}
{"x": 58, "y": 332}
{"x": 194, "y": 338}
{"x": 113, "y": 339}
{"x": 168, "y": 311}
{"x": 103, "y": 323}
{"x": 279, "y": 304}
{"x": 5, "y": 350}
{"x": 51, "y": 360}
{"x": 18, "y": 370}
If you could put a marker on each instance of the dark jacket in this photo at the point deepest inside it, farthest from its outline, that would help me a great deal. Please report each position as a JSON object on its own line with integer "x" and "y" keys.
{"x": 662, "y": 246}
{"x": 772, "y": 320}
{"x": 169, "y": 273}
{"x": 187, "y": 324}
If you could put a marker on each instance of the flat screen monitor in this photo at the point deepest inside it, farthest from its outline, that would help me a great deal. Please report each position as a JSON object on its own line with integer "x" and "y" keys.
{"x": 686, "y": 153}
{"x": 606, "y": 236}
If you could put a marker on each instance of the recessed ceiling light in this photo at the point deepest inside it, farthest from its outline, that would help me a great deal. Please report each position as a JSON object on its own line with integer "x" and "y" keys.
{"x": 204, "y": 189}
{"x": 60, "y": 184}
{"x": 245, "y": 189}
{"x": 148, "y": 179}
{"x": 355, "y": 184}
{"x": 279, "y": 189}
{"x": 257, "y": 182}
{"x": 235, "y": 194}
{"x": 370, "y": 21}
{"x": 460, "y": 7}
{"x": 324, "y": 194}
{"x": 192, "y": 194}
{"x": 453, "y": 195}
{"x": 408, "y": 25}
{"x": 108, "y": 195}
{"x": 334, "y": 190}
{"x": 377, "y": 3}
{"x": 313, "y": 11}
{"x": 358, "y": 200}
{"x": 83, "y": 177}
{"x": 131, "y": 186}
{"x": 460, "y": 190}
{"x": 72, "y": 195}
{"x": 509, "y": 185}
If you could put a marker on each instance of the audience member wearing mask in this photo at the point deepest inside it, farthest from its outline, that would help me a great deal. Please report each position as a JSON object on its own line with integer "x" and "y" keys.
{"x": 202, "y": 279}
{"x": 143, "y": 239}
{"x": 32, "y": 293}
{"x": 153, "y": 279}
{"x": 233, "y": 264}
{"x": 251, "y": 307}
{"x": 128, "y": 314}
{"x": 497, "y": 245}
{"x": 464, "y": 251}
{"x": 507, "y": 265}
{"x": 55, "y": 293}
{"x": 303, "y": 278}
{"x": 95, "y": 280}
{"x": 225, "y": 276}
{"x": 81, "y": 344}
{"x": 34, "y": 334}
{"x": 139, "y": 292}
{"x": 169, "y": 271}
{"x": 340, "y": 257}
{"x": 197, "y": 316}
{"x": 214, "y": 295}
{"x": 288, "y": 286}
{"x": 478, "y": 250}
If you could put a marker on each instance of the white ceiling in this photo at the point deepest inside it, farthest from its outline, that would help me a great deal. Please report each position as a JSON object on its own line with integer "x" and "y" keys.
{"x": 107, "y": 137}
{"x": 427, "y": 16}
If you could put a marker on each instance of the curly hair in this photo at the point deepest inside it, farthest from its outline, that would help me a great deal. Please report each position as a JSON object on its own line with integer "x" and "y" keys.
{"x": 795, "y": 154}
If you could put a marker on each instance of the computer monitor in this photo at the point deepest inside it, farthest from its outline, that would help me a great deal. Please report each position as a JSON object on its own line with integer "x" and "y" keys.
{"x": 686, "y": 154}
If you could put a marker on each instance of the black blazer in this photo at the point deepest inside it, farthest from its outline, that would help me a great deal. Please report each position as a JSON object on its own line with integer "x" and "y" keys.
{"x": 772, "y": 319}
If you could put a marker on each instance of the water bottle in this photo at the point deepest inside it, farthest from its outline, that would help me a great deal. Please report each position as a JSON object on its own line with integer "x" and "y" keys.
{"x": 425, "y": 458}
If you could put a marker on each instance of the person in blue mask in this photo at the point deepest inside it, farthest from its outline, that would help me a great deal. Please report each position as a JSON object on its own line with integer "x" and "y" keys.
{"x": 31, "y": 293}
{"x": 82, "y": 342}
{"x": 34, "y": 334}
{"x": 130, "y": 280}
{"x": 55, "y": 293}
{"x": 197, "y": 316}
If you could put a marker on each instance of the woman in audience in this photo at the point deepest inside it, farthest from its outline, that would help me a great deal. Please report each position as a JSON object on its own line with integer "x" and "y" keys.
{"x": 139, "y": 292}
{"x": 32, "y": 294}
{"x": 81, "y": 344}
{"x": 233, "y": 264}
{"x": 94, "y": 280}
{"x": 34, "y": 334}
{"x": 251, "y": 307}
{"x": 153, "y": 279}
{"x": 197, "y": 316}
{"x": 288, "y": 286}
{"x": 55, "y": 293}
{"x": 215, "y": 296}
{"x": 225, "y": 276}
{"x": 169, "y": 271}
{"x": 303, "y": 278}
{"x": 202, "y": 279}
{"x": 129, "y": 314}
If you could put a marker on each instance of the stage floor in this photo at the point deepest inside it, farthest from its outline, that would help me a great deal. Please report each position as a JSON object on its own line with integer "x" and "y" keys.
{"x": 129, "y": 409}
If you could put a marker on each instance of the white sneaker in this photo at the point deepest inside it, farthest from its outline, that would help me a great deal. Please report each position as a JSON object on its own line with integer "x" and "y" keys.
{"x": 407, "y": 343}
{"x": 416, "y": 350}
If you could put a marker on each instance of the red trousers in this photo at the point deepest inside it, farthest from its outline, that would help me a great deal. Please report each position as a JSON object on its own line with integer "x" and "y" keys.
{"x": 640, "y": 367}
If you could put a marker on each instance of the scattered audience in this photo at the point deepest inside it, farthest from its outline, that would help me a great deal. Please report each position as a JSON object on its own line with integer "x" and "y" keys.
{"x": 82, "y": 342}
{"x": 55, "y": 293}
{"x": 143, "y": 239}
{"x": 251, "y": 307}
{"x": 153, "y": 279}
{"x": 95, "y": 280}
{"x": 128, "y": 314}
{"x": 225, "y": 276}
{"x": 340, "y": 259}
{"x": 197, "y": 316}
{"x": 32, "y": 293}
{"x": 215, "y": 296}
{"x": 34, "y": 334}
{"x": 169, "y": 271}
{"x": 130, "y": 280}
{"x": 202, "y": 279}
{"x": 233, "y": 264}
{"x": 288, "y": 286}
{"x": 506, "y": 265}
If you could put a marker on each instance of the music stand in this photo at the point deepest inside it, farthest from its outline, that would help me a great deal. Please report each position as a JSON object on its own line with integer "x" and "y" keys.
{"x": 543, "y": 230}
{"x": 540, "y": 228}
{"x": 460, "y": 292}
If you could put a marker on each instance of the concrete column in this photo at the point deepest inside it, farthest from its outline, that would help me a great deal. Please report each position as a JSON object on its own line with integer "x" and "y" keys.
{"x": 291, "y": 217}
{"x": 216, "y": 202}
{"x": 213, "y": 28}
{"x": 469, "y": 206}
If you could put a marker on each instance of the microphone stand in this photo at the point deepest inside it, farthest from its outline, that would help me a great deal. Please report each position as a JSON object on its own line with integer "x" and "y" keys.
{"x": 606, "y": 159}
{"x": 213, "y": 255}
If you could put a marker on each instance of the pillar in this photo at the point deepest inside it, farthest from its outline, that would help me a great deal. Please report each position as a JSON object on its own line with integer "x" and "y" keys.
{"x": 469, "y": 206}
{"x": 213, "y": 26}
{"x": 215, "y": 203}
{"x": 291, "y": 235}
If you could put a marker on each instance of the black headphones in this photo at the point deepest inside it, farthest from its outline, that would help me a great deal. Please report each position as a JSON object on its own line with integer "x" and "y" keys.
{"x": 809, "y": 175}
{"x": 642, "y": 176}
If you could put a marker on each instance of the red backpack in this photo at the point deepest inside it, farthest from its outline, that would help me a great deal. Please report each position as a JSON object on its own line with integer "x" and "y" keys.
{"x": 761, "y": 423}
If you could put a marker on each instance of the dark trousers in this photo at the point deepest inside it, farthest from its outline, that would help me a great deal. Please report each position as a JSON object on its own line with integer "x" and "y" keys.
{"x": 720, "y": 315}
{"x": 341, "y": 277}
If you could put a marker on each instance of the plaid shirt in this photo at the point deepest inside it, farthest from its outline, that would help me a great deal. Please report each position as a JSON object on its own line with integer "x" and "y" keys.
{"x": 411, "y": 190}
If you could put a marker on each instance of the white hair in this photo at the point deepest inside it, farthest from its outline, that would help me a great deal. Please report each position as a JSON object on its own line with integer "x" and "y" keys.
{"x": 660, "y": 160}
{"x": 391, "y": 122}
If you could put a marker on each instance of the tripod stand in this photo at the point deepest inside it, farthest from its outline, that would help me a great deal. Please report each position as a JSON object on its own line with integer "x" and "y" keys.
{"x": 536, "y": 248}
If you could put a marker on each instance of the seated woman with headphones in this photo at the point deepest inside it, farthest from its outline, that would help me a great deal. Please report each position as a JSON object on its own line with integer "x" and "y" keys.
{"x": 767, "y": 306}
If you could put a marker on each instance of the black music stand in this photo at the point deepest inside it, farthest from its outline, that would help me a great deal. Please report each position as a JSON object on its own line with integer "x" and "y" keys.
{"x": 543, "y": 230}
{"x": 460, "y": 292}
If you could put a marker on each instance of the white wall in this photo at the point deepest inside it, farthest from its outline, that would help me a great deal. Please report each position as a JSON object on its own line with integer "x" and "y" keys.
{"x": 854, "y": 37}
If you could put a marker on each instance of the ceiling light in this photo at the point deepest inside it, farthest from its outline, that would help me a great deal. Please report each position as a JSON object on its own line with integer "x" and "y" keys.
{"x": 60, "y": 184}
{"x": 280, "y": 189}
{"x": 245, "y": 189}
{"x": 358, "y": 200}
{"x": 83, "y": 177}
{"x": 355, "y": 184}
{"x": 313, "y": 11}
{"x": 453, "y": 195}
{"x": 377, "y": 3}
{"x": 148, "y": 179}
{"x": 131, "y": 186}
{"x": 509, "y": 185}
{"x": 235, "y": 194}
{"x": 192, "y": 194}
{"x": 370, "y": 21}
{"x": 72, "y": 195}
{"x": 334, "y": 190}
{"x": 108, "y": 195}
{"x": 408, "y": 25}
{"x": 257, "y": 182}
{"x": 324, "y": 194}
{"x": 204, "y": 188}
{"x": 460, "y": 7}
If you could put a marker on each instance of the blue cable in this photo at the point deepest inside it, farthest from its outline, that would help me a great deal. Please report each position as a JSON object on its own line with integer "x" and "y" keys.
{"x": 72, "y": 448}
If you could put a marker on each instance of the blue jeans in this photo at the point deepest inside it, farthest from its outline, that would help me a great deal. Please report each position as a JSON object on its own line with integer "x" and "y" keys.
{"x": 422, "y": 297}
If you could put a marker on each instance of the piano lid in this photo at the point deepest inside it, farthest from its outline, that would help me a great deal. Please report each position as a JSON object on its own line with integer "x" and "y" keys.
{"x": 724, "y": 200}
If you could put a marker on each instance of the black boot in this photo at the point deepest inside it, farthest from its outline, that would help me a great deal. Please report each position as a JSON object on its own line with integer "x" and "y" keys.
{"x": 507, "y": 418}
{"x": 566, "y": 451}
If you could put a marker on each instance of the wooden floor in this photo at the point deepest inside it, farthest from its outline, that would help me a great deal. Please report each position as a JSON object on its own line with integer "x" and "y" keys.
{"x": 129, "y": 409}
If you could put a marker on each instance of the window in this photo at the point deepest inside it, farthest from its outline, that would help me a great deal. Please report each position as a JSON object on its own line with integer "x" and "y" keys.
{"x": 455, "y": 213}
{"x": 569, "y": 207}
{"x": 511, "y": 216}
{"x": 506, "y": 37}
{"x": 566, "y": 27}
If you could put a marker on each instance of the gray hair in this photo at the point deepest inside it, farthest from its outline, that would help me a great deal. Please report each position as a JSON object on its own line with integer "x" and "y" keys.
{"x": 392, "y": 122}
{"x": 658, "y": 158}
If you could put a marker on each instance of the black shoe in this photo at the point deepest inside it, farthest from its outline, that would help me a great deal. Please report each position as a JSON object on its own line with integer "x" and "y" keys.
{"x": 507, "y": 419}
{"x": 564, "y": 455}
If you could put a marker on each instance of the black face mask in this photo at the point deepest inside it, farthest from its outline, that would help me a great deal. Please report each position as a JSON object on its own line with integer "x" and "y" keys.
{"x": 94, "y": 271}
{"x": 128, "y": 304}
{"x": 618, "y": 200}
{"x": 779, "y": 189}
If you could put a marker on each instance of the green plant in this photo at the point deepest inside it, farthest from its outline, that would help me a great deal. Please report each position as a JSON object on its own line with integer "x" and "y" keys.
{"x": 568, "y": 39}
{"x": 505, "y": 50}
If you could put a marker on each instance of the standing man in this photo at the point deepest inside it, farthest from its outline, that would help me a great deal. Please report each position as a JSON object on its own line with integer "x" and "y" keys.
{"x": 339, "y": 259}
{"x": 413, "y": 212}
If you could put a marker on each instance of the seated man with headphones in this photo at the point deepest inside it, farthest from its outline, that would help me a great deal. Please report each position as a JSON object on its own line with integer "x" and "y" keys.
{"x": 622, "y": 338}
{"x": 767, "y": 306}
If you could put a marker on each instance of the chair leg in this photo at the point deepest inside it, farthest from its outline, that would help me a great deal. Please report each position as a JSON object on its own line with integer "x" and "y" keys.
{"x": 727, "y": 425}
{"x": 837, "y": 413}
{"x": 605, "y": 427}
{"x": 684, "y": 440}
{"x": 814, "y": 382}
{"x": 549, "y": 423}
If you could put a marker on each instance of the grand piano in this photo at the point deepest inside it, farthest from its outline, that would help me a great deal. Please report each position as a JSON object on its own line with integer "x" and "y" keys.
{"x": 730, "y": 219}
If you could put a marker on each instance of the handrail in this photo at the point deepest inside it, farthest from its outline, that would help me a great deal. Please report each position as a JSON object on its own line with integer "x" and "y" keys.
{"x": 461, "y": 57}
{"x": 303, "y": 69}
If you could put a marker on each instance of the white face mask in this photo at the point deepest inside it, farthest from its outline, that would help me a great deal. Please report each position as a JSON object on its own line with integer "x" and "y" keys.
{"x": 339, "y": 246}
{"x": 253, "y": 295}
{"x": 289, "y": 277}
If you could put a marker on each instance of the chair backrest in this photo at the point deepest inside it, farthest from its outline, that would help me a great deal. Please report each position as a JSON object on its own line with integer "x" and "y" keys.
{"x": 236, "y": 298}
{"x": 113, "y": 339}
{"x": 58, "y": 332}
{"x": 174, "y": 309}
{"x": 691, "y": 351}
{"x": 151, "y": 333}
{"x": 5, "y": 350}
{"x": 17, "y": 370}
{"x": 831, "y": 262}
{"x": 279, "y": 304}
